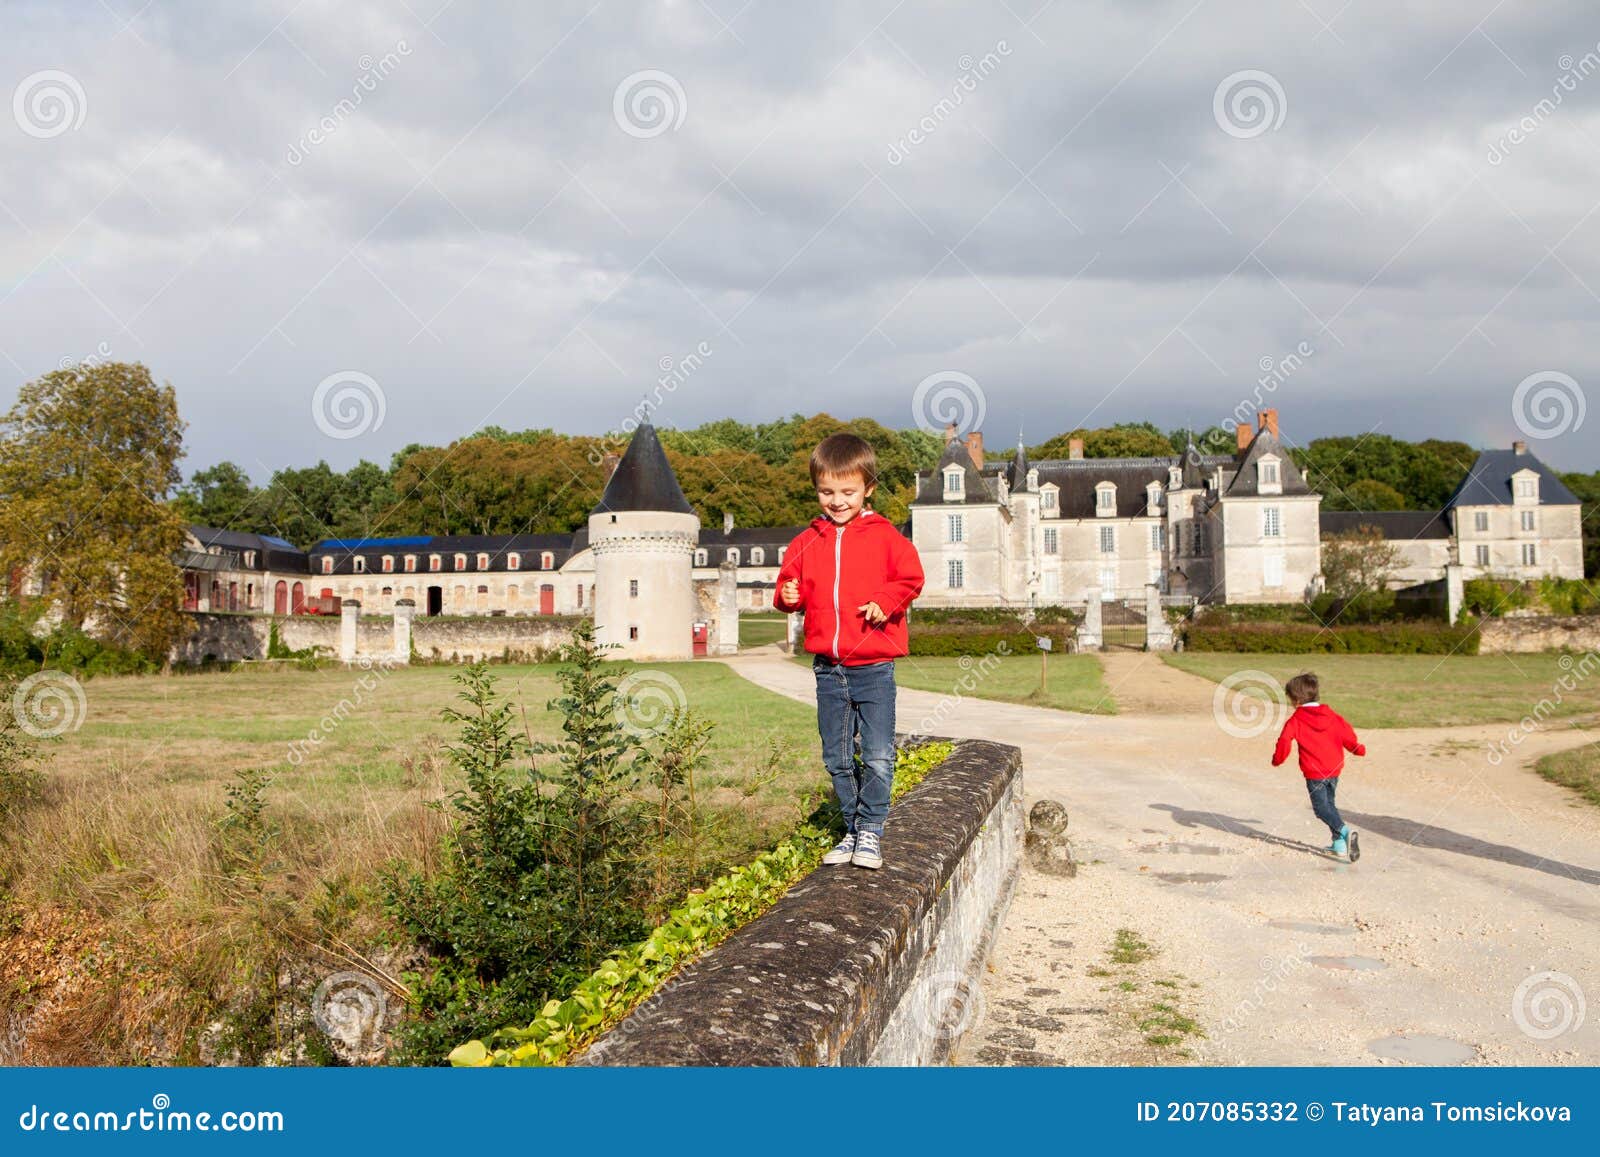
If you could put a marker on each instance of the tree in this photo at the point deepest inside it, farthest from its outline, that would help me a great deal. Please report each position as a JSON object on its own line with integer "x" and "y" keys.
{"x": 1372, "y": 495}
{"x": 1356, "y": 567}
{"x": 88, "y": 457}
{"x": 222, "y": 496}
{"x": 1124, "y": 440}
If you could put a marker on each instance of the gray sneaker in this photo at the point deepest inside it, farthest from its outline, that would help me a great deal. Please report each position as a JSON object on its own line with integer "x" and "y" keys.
{"x": 869, "y": 853}
{"x": 842, "y": 852}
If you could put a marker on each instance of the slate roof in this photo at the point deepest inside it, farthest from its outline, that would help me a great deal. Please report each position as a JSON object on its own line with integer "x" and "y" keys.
{"x": 1243, "y": 482}
{"x": 1396, "y": 525}
{"x": 983, "y": 487}
{"x": 272, "y": 553}
{"x": 344, "y": 551}
{"x": 643, "y": 479}
{"x": 1488, "y": 483}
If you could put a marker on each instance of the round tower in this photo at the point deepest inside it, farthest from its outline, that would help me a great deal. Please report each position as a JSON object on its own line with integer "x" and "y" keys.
{"x": 643, "y": 534}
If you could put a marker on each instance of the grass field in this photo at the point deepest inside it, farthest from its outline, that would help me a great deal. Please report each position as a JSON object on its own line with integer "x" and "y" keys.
{"x": 1074, "y": 683}
{"x": 759, "y": 629}
{"x": 1419, "y": 690}
{"x": 1578, "y": 769}
{"x": 123, "y": 850}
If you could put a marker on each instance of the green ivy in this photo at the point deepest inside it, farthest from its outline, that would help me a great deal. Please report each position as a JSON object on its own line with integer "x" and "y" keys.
{"x": 705, "y": 919}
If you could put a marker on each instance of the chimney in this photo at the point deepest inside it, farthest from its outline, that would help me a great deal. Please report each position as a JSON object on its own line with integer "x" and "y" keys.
{"x": 1075, "y": 449}
{"x": 727, "y": 522}
{"x": 1244, "y": 432}
{"x": 949, "y": 433}
{"x": 1519, "y": 447}
{"x": 975, "y": 449}
{"x": 609, "y": 463}
{"x": 1268, "y": 420}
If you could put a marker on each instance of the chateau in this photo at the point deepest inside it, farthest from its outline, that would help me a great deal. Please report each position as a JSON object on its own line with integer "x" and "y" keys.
{"x": 1207, "y": 528}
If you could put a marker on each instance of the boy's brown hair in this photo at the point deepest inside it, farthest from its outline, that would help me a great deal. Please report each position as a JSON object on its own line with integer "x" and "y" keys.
{"x": 1301, "y": 689}
{"x": 842, "y": 455}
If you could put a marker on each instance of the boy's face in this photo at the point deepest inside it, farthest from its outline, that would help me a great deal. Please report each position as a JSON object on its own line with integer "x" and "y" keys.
{"x": 841, "y": 497}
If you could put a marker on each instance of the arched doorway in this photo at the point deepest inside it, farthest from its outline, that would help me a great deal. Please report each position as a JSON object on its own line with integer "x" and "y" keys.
{"x": 280, "y": 598}
{"x": 297, "y": 599}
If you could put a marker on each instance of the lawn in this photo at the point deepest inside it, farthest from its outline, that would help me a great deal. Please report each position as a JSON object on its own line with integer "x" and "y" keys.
{"x": 125, "y": 841}
{"x": 1421, "y": 690}
{"x": 1073, "y": 683}
{"x": 1578, "y": 769}
{"x": 760, "y": 629}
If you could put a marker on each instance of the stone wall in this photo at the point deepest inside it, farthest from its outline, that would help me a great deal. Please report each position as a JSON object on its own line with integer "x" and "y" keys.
{"x": 1523, "y": 633}
{"x": 854, "y": 967}
{"x": 231, "y": 638}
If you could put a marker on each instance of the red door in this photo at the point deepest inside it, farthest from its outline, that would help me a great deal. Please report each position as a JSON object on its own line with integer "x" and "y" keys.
{"x": 547, "y": 599}
{"x": 700, "y": 633}
{"x": 297, "y": 599}
{"x": 280, "y": 598}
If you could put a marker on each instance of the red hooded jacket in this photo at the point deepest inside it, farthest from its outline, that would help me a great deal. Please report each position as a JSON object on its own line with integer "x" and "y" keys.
{"x": 1324, "y": 736}
{"x": 867, "y": 560}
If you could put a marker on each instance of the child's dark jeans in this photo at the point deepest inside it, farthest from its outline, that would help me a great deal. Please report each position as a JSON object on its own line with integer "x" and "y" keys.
{"x": 1322, "y": 791}
{"x": 852, "y": 702}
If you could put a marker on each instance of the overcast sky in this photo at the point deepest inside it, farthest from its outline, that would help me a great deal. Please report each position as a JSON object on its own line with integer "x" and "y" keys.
{"x": 459, "y": 214}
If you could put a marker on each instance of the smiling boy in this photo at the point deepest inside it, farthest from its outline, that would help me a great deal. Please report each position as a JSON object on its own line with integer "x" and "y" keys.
{"x": 853, "y": 574}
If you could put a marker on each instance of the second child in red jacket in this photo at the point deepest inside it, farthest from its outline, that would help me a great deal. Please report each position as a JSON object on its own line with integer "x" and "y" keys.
{"x": 1323, "y": 736}
{"x": 853, "y": 574}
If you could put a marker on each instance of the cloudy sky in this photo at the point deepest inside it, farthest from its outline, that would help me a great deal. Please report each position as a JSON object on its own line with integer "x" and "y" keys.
{"x": 337, "y": 228}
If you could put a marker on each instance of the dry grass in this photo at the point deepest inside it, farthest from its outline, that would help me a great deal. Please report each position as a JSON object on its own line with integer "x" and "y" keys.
{"x": 125, "y": 847}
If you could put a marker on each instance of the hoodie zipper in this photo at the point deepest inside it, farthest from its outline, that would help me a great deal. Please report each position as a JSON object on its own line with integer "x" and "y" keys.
{"x": 838, "y": 545}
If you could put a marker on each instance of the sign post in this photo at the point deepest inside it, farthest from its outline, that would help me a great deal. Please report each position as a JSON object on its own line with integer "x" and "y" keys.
{"x": 1044, "y": 643}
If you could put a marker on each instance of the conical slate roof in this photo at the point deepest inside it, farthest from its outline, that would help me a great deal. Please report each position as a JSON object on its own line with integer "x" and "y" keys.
{"x": 643, "y": 480}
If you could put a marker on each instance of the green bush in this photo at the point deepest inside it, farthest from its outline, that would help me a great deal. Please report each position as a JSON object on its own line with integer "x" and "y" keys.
{"x": 1568, "y": 597}
{"x": 1218, "y": 614}
{"x": 62, "y": 649}
{"x": 1491, "y": 598}
{"x": 984, "y": 642}
{"x": 1419, "y": 637}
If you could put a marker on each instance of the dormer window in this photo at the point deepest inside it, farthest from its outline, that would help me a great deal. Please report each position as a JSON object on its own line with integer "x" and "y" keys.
{"x": 952, "y": 482}
{"x": 435, "y": 562}
{"x": 327, "y": 564}
{"x": 513, "y": 561}
{"x": 1174, "y": 477}
{"x": 250, "y": 559}
{"x": 1049, "y": 500}
{"x": 411, "y": 563}
{"x": 733, "y": 555}
{"x": 483, "y": 561}
{"x": 1268, "y": 477}
{"x": 547, "y": 560}
{"x": 700, "y": 557}
{"x": 1152, "y": 496}
{"x": 1105, "y": 499}
{"x": 758, "y": 557}
{"x": 388, "y": 564}
{"x": 359, "y": 564}
{"x": 1525, "y": 486}
{"x": 461, "y": 562}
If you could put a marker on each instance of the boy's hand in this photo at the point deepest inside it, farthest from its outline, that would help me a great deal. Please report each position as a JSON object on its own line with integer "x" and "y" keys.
{"x": 873, "y": 612}
{"x": 790, "y": 592}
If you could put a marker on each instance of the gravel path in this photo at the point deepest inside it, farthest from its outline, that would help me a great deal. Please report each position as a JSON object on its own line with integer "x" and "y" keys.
{"x": 1241, "y": 943}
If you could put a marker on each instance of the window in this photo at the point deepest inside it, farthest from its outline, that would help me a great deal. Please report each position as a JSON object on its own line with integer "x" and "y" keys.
{"x": 700, "y": 558}
{"x": 1272, "y": 570}
{"x": 1480, "y": 521}
{"x": 633, "y": 634}
{"x": 387, "y": 591}
{"x": 954, "y": 528}
{"x": 547, "y": 560}
{"x": 483, "y": 561}
{"x": 1269, "y": 472}
{"x": 1047, "y": 501}
{"x": 411, "y": 563}
{"x": 1050, "y": 540}
{"x": 1274, "y": 522}
{"x": 1108, "y": 581}
{"x": 1528, "y": 522}
{"x": 327, "y": 564}
{"x": 758, "y": 557}
{"x": 359, "y": 564}
{"x": 1483, "y": 554}
{"x": 1108, "y": 540}
{"x": 952, "y": 482}
{"x": 388, "y": 564}
{"x": 483, "y": 590}
{"x": 633, "y": 588}
{"x": 461, "y": 562}
{"x": 513, "y": 561}
{"x": 1530, "y": 554}
{"x": 1526, "y": 488}
{"x": 955, "y": 573}
{"x": 435, "y": 562}
{"x": 1199, "y": 544}
{"x": 1156, "y": 536}
{"x": 1152, "y": 496}
{"x": 1106, "y": 499}
{"x": 733, "y": 555}
{"x": 781, "y": 550}
{"x": 580, "y": 596}
{"x": 250, "y": 558}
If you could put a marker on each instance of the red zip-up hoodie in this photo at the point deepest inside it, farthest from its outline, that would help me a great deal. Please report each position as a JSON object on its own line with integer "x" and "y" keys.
{"x": 1324, "y": 736}
{"x": 867, "y": 560}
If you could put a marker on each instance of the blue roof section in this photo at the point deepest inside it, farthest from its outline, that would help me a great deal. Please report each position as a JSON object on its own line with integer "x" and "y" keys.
{"x": 272, "y": 541}
{"x": 367, "y": 543}
{"x": 1488, "y": 483}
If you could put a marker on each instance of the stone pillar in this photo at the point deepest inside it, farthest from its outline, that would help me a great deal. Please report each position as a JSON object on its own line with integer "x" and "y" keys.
{"x": 403, "y": 610}
{"x": 1454, "y": 595}
{"x": 1157, "y": 631}
{"x": 727, "y": 608}
{"x": 1089, "y": 636}
{"x": 349, "y": 618}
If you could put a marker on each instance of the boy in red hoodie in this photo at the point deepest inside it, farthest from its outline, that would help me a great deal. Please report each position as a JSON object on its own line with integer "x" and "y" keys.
{"x": 853, "y": 574}
{"x": 1324, "y": 736}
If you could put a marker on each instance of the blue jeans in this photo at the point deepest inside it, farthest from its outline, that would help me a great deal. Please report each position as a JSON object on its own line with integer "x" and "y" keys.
{"x": 1322, "y": 791}
{"x": 858, "y": 702}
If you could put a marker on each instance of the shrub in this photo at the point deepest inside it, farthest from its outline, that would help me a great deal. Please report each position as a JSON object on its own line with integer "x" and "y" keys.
{"x": 1491, "y": 598}
{"x": 1568, "y": 597}
{"x": 984, "y": 642}
{"x": 1394, "y": 638}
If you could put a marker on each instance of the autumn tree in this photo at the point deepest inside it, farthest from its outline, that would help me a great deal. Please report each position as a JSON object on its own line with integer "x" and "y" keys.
{"x": 88, "y": 458}
{"x": 1356, "y": 568}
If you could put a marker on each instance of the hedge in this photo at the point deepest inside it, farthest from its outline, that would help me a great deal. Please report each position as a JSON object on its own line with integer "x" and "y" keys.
{"x": 705, "y": 919}
{"x": 1407, "y": 638}
{"x": 983, "y": 642}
